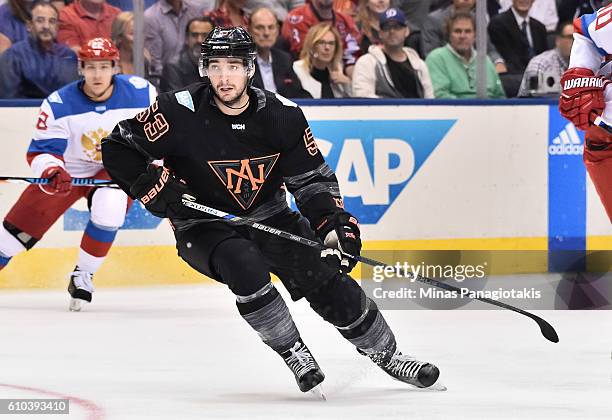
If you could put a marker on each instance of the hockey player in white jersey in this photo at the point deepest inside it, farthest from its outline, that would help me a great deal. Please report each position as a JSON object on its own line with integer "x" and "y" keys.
{"x": 586, "y": 96}
{"x": 66, "y": 143}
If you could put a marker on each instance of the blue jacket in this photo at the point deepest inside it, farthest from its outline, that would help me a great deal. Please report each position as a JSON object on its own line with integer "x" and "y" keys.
{"x": 30, "y": 72}
{"x": 10, "y": 26}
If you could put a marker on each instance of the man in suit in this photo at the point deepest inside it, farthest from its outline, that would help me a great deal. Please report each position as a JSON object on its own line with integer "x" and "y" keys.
{"x": 274, "y": 67}
{"x": 517, "y": 37}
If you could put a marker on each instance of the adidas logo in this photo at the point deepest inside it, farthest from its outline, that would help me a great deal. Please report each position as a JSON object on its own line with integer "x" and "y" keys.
{"x": 238, "y": 127}
{"x": 566, "y": 143}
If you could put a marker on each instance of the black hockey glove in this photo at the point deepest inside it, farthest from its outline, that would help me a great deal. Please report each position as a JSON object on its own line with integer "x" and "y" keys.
{"x": 161, "y": 194}
{"x": 341, "y": 232}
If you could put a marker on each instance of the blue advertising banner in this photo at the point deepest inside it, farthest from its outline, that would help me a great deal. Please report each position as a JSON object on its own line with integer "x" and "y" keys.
{"x": 566, "y": 195}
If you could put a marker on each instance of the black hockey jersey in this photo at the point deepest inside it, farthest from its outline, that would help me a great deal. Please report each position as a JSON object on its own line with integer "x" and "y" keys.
{"x": 237, "y": 164}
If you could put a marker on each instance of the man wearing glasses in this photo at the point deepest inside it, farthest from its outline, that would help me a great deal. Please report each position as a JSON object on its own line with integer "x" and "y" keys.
{"x": 542, "y": 75}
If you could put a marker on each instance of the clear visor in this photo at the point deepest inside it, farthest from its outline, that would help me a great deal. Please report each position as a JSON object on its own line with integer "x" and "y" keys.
{"x": 234, "y": 67}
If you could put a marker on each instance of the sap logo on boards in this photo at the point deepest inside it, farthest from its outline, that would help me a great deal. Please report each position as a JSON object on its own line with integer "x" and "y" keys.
{"x": 375, "y": 159}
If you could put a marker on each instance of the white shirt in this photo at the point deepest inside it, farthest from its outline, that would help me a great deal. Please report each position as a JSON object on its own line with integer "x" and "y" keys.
{"x": 519, "y": 21}
{"x": 267, "y": 75}
{"x": 544, "y": 11}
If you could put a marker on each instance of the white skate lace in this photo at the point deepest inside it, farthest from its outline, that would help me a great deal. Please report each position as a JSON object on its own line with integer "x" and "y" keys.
{"x": 402, "y": 365}
{"x": 300, "y": 361}
{"x": 83, "y": 280}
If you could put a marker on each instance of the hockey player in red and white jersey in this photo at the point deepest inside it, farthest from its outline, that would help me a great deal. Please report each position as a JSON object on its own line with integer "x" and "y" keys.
{"x": 586, "y": 96}
{"x": 66, "y": 143}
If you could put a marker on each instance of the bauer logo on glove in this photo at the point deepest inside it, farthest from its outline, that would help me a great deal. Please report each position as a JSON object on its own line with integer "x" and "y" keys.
{"x": 163, "y": 179}
{"x": 162, "y": 194}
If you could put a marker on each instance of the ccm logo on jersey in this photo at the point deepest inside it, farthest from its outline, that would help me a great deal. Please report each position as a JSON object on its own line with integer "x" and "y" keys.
{"x": 238, "y": 127}
{"x": 583, "y": 82}
{"x": 163, "y": 180}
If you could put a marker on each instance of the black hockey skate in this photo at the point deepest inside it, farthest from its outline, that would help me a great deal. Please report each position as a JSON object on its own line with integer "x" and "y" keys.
{"x": 407, "y": 369}
{"x": 308, "y": 374}
{"x": 80, "y": 289}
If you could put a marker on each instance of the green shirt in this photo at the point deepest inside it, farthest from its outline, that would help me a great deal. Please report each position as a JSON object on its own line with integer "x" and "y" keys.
{"x": 452, "y": 77}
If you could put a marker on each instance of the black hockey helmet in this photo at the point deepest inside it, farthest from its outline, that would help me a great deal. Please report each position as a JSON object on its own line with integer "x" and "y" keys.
{"x": 228, "y": 42}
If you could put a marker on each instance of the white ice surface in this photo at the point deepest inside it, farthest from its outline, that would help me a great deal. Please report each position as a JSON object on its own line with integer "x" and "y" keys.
{"x": 184, "y": 353}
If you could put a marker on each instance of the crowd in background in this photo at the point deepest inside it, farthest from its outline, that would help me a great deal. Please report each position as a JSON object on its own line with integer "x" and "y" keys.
{"x": 305, "y": 49}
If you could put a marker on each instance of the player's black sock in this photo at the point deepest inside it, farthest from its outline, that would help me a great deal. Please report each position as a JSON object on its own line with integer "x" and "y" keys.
{"x": 266, "y": 312}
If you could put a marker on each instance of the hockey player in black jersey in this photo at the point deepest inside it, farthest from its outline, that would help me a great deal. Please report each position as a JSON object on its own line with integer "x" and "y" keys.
{"x": 233, "y": 147}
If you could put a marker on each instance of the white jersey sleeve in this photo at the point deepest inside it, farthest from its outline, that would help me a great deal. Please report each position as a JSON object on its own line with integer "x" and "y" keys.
{"x": 592, "y": 40}
{"x": 49, "y": 141}
{"x": 592, "y": 49}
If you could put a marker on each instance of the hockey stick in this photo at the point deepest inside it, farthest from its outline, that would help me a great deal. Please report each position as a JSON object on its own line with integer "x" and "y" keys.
{"x": 547, "y": 330}
{"x": 600, "y": 123}
{"x": 86, "y": 182}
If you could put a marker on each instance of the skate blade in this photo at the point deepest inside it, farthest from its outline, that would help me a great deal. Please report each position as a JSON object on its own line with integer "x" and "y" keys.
{"x": 76, "y": 305}
{"x": 437, "y": 386}
{"x": 318, "y": 392}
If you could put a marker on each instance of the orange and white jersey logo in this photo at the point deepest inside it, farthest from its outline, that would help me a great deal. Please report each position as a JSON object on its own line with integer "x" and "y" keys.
{"x": 244, "y": 178}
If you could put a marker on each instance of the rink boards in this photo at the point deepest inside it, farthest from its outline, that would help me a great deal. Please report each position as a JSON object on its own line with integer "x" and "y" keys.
{"x": 427, "y": 175}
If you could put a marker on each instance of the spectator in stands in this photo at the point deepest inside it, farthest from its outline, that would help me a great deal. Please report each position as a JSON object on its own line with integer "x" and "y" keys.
{"x": 122, "y": 35}
{"x": 320, "y": 64}
{"x": 128, "y": 5}
{"x": 416, "y": 11}
{"x": 453, "y": 67}
{"x": 279, "y": 7}
{"x": 568, "y": 10}
{"x": 183, "y": 70}
{"x": 368, "y": 22}
{"x": 392, "y": 70}
{"x": 518, "y": 38}
{"x": 38, "y": 65}
{"x": 347, "y": 7}
{"x": 273, "y": 67}
{"x": 165, "y": 24}
{"x": 493, "y": 6}
{"x": 544, "y": 71}
{"x": 60, "y": 4}
{"x": 229, "y": 13}
{"x": 85, "y": 19}
{"x": 13, "y": 17}
{"x": 302, "y": 18}
{"x": 433, "y": 35}
{"x": 545, "y": 11}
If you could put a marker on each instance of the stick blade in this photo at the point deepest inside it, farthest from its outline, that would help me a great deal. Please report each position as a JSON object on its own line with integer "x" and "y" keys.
{"x": 547, "y": 330}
